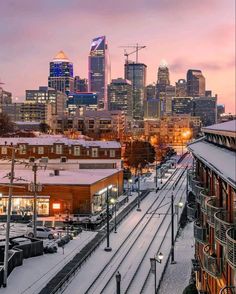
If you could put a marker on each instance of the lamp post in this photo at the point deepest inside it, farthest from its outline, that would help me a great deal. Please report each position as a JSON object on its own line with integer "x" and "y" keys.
{"x": 180, "y": 204}
{"x": 130, "y": 181}
{"x": 113, "y": 201}
{"x": 107, "y": 248}
{"x": 138, "y": 208}
{"x": 157, "y": 258}
{"x": 118, "y": 280}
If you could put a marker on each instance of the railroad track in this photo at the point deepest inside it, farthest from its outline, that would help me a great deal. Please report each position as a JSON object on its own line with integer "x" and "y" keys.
{"x": 128, "y": 244}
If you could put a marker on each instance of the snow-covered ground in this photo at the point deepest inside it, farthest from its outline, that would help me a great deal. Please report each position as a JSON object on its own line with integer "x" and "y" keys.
{"x": 35, "y": 272}
{"x": 177, "y": 276}
{"x": 121, "y": 257}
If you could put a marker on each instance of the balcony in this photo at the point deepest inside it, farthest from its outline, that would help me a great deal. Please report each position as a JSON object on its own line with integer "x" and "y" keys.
{"x": 191, "y": 211}
{"x": 231, "y": 247}
{"x": 190, "y": 176}
{"x": 211, "y": 263}
{"x": 204, "y": 196}
{"x": 222, "y": 224}
{"x": 212, "y": 206}
{"x": 199, "y": 232}
{"x": 197, "y": 190}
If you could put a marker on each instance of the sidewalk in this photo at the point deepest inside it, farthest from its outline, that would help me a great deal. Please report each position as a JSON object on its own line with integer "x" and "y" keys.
{"x": 177, "y": 276}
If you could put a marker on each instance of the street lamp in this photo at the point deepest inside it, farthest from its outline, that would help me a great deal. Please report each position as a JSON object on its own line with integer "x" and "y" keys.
{"x": 118, "y": 280}
{"x": 108, "y": 248}
{"x": 177, "y": 207}
{"x": 157, "y": 258}
{"x": 113, "y": 202}
{"x": 130, "y": 187}
{"x": 138, "y": 208}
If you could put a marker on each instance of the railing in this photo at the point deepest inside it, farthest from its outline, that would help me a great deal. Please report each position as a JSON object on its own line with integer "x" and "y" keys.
{"x": 222, "y": 224}
{"x": 197, "y": 190}
{"x": 190, "y": 176}
{"x": 211, "y": 263}
{"x": 199, "y": 232}
{"x": 231, "y": 247}
{"x": 203, "y": 198}
{"x": 191, "y": 211}
{"x": 212, "y": 206}
{"x": 228, "y": 290}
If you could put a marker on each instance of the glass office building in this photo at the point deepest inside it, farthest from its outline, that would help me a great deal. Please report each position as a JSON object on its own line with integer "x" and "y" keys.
{"x": 99, "y": 69}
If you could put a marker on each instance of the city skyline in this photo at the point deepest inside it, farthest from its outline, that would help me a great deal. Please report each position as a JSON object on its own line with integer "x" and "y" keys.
{"x": 193, "y": 39}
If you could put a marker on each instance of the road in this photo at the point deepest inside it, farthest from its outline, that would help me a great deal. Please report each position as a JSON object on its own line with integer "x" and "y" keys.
{"x": 140, "y": 236}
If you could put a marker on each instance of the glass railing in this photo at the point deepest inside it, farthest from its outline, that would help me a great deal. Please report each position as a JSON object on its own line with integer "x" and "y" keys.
{"x": 211, "y": 263}
{"x": 222, "y": 224}
{"x": 231, "y": 247}
{"x": 212, "y": 206}
{"x": 199, "y": 232}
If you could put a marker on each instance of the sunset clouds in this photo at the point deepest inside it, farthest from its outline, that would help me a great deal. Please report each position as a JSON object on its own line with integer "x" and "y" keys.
{"x": 188, "y": 34}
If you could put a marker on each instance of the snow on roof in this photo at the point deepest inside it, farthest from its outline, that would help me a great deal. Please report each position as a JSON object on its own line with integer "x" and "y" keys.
{"x": 229, "y": 126}
{"x": 50, "y": 140}
{"x": 221, "y": 160}
{"x": 65, "y": 177}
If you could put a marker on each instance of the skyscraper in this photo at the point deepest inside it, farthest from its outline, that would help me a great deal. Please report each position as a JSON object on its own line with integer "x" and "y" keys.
{"x": 151, "y": 91}
{"x": 181, "y": 88}
{"x": 206, "y": 109}
{"x": 195, "y": 83}
{"x": 182, "y": 105}
{"x": 61, "y": 74}
{"x": 163, "y": 78}
{"x": 80, "y": 85}
{"x": 136, "y": 73}
{"x": 120, "y": 96}
{"x": 99, "y": 69}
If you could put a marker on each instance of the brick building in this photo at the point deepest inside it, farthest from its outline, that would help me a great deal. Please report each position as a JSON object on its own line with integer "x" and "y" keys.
{"x": 212, "y": 205}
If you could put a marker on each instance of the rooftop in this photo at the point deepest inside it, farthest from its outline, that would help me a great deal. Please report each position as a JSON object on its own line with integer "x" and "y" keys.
{"x": 229, "y": 126}
{"x": 221, "y": 160}
{"x": 50, "y": 140}
{"x": 65, "y": 177}
{"x": 61, "y": 56}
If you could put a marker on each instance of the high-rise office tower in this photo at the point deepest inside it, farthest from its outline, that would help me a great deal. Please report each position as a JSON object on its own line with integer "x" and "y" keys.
{"x": 80, "y": 85}
{"x": 61, "y": 74}
{"x": 151, "y": 91}
{"x": 46, "y": 95}
{"x": 195, "y": 83}
{"x": 136, "y": 73}
{"x": 120, "y": 96}
{"x": 163, "y": 78}
{"x": 206, "y": 109}
{"x": 5, "y": 97}
{"x": 182, "y": 105}
{"x": 99, "y": 69}
{"x": 181, "y": 88}
{"x": 169, "y": 94}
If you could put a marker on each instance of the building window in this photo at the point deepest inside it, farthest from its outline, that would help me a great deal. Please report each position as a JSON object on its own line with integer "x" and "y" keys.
{"x": 77, "y": 150}
{"x": 88, "y": 153}
{"x": 94, "y": 152}
{"x": 22, "y": 149}
{"x": 112, "y": 153}
{"x": 44, "y": 160}
{"x": 58, "y": 149}
{"x": 63, "y": 159}
{"x": 4, "y": 150}
{"x": 33, "y": 149}
{"x": 40, "y": 150}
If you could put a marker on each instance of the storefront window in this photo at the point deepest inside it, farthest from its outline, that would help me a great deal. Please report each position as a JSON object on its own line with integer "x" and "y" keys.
{"x": 24, "y": 205}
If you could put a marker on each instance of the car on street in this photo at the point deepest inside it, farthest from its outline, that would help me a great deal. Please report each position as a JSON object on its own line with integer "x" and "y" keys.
{"x": 42, "y": 232}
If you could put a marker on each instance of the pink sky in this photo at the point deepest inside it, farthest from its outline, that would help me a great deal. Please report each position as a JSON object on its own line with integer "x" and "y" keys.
{"x": 187, "y": 34}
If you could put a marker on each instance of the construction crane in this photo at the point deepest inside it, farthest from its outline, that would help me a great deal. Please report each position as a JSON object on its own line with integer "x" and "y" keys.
{"x": 137, "y": 48}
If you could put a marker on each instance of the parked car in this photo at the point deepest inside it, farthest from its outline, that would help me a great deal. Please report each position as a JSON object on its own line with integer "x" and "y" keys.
{"x": 42, "y": 232}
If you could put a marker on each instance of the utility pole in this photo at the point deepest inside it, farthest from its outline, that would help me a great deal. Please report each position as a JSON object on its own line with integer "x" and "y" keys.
{"x": 172, "y": 230}
{"x": 108, "y": 248}
{"x": 9, "y": 216}
{"x": 138, "y": 208}
{"x": 35, "y": 168}
{"x": 11, "y": 176}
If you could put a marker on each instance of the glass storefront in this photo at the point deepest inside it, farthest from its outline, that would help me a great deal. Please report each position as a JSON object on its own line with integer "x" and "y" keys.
{"x": 23, "y": 205}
